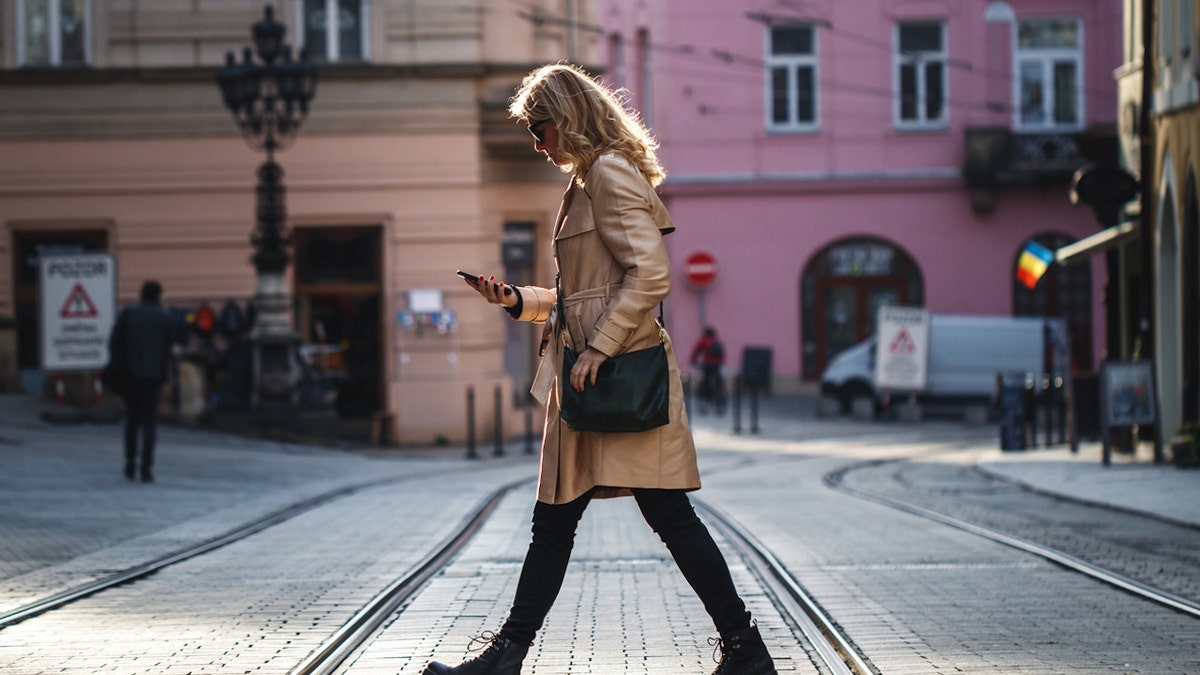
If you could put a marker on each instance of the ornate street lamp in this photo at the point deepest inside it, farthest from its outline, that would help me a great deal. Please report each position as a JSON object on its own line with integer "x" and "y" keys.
{"x": 269, "y": 101}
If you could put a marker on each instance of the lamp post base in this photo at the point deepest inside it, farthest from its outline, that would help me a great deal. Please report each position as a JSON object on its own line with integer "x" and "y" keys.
{"x": 275, "y": 366}
{"x": 275, "y": 371}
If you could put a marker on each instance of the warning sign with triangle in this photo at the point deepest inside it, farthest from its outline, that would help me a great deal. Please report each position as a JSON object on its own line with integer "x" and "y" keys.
{"x": 78, "y": 305}
{"x": 903, "y": 343}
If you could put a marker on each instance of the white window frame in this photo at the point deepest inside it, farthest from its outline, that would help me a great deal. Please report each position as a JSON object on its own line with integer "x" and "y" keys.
{"x": 332, "y": 39}
{"x": 793, "y": 62}
{"x": 1048, "y": 56}
{"x": 900, "y": 59}
{"x": 1176, "y": 57}
{"x": 54, "y": 9}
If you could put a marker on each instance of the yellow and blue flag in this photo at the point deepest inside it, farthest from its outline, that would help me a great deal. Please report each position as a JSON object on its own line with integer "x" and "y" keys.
{"x": 1033, "y": 263}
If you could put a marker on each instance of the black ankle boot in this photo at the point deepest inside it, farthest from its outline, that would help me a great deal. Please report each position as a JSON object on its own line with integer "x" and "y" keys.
{"x": 743, "y": 653}
{"x": 502, "y": 657}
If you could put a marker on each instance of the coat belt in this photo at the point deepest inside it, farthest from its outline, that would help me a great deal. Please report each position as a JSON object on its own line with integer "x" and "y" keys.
{"x": 551, "y": 358}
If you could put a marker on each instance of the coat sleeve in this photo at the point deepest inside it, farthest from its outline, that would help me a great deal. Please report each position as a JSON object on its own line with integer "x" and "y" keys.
{"x": 622, "y": 210}
{"x": 535, "y": 303}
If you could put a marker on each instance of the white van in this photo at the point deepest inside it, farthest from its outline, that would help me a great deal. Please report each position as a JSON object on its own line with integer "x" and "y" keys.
{"x": 965, "y": 354}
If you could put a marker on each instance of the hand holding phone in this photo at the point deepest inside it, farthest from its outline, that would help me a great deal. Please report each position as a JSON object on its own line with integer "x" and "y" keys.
{"x": 473, "y": 279}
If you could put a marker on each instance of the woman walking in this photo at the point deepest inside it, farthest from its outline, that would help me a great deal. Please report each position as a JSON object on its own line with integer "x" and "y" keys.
{"x": 613, "y": 273}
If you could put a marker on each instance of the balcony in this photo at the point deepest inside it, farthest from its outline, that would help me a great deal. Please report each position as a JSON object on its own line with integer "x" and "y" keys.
{"x": 998, "y": 157}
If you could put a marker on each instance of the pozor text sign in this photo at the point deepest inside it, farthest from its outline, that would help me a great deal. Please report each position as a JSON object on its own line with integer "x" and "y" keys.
{"x": 78, "y": 305}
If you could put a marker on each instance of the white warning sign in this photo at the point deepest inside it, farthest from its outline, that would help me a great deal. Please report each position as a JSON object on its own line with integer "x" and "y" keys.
{"x": 78, "y": 305}
{"x": 902, "y": 348}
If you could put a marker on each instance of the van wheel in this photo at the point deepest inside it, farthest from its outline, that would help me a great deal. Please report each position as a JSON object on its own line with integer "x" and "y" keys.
{"x": 851, "y": 391}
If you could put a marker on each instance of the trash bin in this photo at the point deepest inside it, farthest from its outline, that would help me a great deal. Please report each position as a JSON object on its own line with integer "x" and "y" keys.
{"x": 1011, "y": 400}
{"x": 756, "y": 368}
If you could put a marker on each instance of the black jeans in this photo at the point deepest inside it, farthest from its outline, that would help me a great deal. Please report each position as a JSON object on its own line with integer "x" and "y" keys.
{"x": 141, "y": 415}
{"x": 670, "y": 514}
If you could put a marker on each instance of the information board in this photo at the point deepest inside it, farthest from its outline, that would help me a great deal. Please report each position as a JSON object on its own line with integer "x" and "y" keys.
{"x": 901, "y": 348}
{"x": 78, "y": 306}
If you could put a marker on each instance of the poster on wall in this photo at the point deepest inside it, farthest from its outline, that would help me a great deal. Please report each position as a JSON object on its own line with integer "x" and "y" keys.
{"x": 77, "y": 308}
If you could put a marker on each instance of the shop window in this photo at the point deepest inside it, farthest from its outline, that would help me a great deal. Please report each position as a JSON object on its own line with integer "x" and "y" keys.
{"x": 1063, "y": 292}
{"x": 842, "y": 290}
{"x": 520, "y": 350}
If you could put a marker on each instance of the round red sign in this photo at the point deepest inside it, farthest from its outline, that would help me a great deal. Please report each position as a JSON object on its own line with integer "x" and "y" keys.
{"x": 700, "y": 268}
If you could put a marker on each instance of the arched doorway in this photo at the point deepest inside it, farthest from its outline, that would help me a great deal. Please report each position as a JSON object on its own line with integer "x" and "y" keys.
{"x": 1062, "y": 292}
{"x": 842, "y": 289}
{"x": 1167, "y": 328}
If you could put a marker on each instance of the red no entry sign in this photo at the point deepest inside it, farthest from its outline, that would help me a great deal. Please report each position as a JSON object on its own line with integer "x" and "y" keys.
{"x": 700, "y": 268}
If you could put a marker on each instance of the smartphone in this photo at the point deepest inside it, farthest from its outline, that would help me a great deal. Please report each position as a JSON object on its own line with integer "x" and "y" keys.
{"x": 473, "y": 279}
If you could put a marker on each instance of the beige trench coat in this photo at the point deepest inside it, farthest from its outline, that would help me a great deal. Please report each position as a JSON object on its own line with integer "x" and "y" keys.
{"x": 614, "y": 271}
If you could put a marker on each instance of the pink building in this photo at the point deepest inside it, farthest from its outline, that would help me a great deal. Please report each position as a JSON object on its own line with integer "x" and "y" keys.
{"x": 837, "y": 156}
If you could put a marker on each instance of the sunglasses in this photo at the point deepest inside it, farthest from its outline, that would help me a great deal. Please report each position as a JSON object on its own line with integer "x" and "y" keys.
{"x": 535, "y": 130}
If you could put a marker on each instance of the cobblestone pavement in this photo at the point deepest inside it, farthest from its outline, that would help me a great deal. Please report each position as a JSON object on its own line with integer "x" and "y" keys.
{"x": 916, "y": 596}
{"x": 259, "y": 604}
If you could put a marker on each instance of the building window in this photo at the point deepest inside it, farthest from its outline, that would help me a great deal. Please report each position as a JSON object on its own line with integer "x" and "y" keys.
{"x": 920, "y": 75}
{"x": 1176, "y": 59}
{"x": 792, "y": 78}
{"x": 335, "y": 30}
{"x": 1049, "y": 67}
{"x": 52, "y": 32}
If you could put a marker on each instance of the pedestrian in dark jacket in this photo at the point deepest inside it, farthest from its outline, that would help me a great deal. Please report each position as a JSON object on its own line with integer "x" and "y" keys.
{"x": 140, "y": 344}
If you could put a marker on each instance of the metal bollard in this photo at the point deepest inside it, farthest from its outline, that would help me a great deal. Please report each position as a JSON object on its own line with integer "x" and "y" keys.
{"x": 1060, "y": 405}
{"x": 471, "y": 454}
{"x": 737, "y": 404}
{"x": 1047, "y": 406}
{"x": 754, "y": 410}
{"x": 498, "y": 404}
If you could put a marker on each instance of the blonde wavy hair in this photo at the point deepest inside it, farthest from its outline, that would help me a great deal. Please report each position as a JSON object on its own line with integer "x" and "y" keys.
{"x": 591, "y": 120}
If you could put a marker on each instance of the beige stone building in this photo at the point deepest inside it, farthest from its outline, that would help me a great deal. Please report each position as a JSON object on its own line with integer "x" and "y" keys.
{"x": 113, "y": 136}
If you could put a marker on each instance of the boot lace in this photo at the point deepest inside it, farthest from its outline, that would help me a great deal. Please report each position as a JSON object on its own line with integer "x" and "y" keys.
{"x": 483, "y": 641}
{"x": 718, "y": 646}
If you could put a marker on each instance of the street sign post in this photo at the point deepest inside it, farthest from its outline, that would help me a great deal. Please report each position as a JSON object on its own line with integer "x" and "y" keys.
{"x": 700, "y": 269}
{"x": 78, "y": 306}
